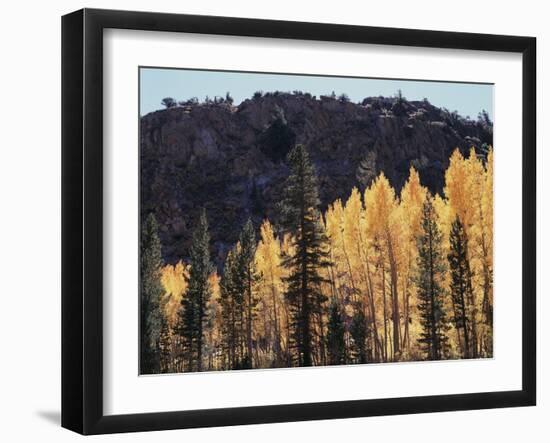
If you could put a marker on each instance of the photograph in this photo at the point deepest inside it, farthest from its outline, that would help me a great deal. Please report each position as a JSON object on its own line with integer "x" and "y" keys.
{"x": 298, "y": 220}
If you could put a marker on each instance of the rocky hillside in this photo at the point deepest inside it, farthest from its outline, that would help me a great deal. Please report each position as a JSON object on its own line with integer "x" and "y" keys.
{"x": 231, "y": 160}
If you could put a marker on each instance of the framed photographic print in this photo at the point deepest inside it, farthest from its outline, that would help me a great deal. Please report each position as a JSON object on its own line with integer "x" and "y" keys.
{"x": 269, "y": 221}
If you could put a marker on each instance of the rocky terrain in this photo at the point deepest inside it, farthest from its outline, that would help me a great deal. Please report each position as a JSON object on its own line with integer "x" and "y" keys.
{"x": 231, "y": 159}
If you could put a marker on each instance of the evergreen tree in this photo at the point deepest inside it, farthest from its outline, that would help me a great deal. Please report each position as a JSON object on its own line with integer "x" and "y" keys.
{"x": 228, "y": 98}
{"x": 165, "y": 346}
{"x": 301, "y": 219}
{"x": 461, "y": 284}
{"x": 193, "y": 312}
{"x": 359, "y": 332}
{"x": 431, "y": 269}
{"x": 231, "y": 300}
{"x": 151, "y": 293}
{"x": 336, "y": 345}
{"x": 168, "y": 102}
{"x": 238, "y": 300}
{"x": 249, "y": 278}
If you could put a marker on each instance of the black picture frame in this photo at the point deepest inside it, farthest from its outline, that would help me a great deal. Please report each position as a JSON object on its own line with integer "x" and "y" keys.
{"x": 82, "y": 221}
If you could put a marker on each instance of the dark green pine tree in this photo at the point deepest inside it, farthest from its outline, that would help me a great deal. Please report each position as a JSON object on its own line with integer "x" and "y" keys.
{"x": 300, "y": 218}
{"x": 238, "y": 301}
{"x": 193, "y": 312}
{"x": 336, "y": 345}
{"x": 461, "y": 284}
{"x": 165, "y": 347}
{"x": 430, "y": 272}
{"x": 359, "y": 332}
{"x": 151, "y": 293}
{"x": 249, "y": 278}
{"x": 231, "y": 300}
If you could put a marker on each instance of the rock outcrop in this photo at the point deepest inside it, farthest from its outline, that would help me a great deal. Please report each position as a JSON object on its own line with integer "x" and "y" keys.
{"x": 231, "y": 160}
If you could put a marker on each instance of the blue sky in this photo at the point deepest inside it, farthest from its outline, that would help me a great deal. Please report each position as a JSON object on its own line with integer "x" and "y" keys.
{"x": 156, "y": 83}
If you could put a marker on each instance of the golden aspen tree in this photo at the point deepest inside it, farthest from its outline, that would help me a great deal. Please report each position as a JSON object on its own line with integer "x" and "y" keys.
{"x": 382, "y": 223}
{"x": 480, "y": 237}
{"x": 268, "y": 265}
{"x": 347, "y": 286}
{"x": 458, "y": 190}
{"x": 468, "y": 194}
{"x": 333, "y": 227}
{"x": 444, "y": 215}
{"x": 351, "y": 237}
{"x": 356, "y": 243}
{"x": 487, "y": 208}
{"x": 341, "y": 272}
{"x": 213, "y": 337}
{"x": 174, "y": 282}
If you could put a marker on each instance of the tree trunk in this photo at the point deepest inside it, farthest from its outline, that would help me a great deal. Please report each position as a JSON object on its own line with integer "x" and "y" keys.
{"x": 370, "y": 299}
{"x": 435, "y": 354}
{"x": 385, "y": 320}
{"x": 199, "y": 338}
{"x": 468, "y": 352}
{"x": 322, "y": 349}
{"x": 395, "y": 300}
{"x": 277, "y": 344}
{"x": 249, "y": 317}
{"x": 406, "y": 302}
{"x": 305, "y": 333}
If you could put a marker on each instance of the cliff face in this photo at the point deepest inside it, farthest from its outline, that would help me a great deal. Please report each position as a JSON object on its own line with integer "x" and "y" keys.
{"x": 231, "y": 160}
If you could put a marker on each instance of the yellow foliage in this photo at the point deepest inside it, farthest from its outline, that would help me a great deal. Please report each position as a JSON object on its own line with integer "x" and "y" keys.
{"x": 413, "y": 195}
{"x": 380, "y": 203}
{"x": 174, "y": 282}
{"x": 268, "y": 254}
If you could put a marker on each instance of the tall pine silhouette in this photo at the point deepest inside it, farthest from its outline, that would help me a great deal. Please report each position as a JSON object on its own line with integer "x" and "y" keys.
{"x": 231, "y": 301}
{"x": 360, "y": 333}
{"x": 461, "y": 288}
{"x": 194, "y": 303}
{"x": 301, "y": 219}
{"x": 336, "y": 345}
{"x": 430, "y": 272}
{"x": 238, "y": 300}
{"x": 151, "y": 293}
{"x": 249, "y": 278}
